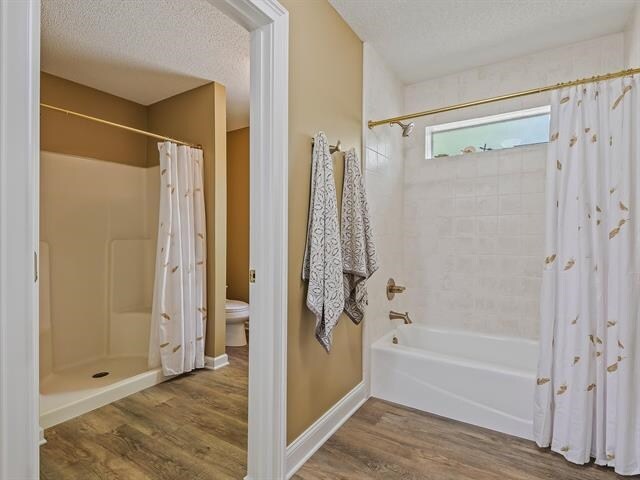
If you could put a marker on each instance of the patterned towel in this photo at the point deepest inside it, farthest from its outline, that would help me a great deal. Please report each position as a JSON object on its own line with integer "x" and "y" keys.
{"x": 358, "y": 250}
{"x": 322, "y": 265}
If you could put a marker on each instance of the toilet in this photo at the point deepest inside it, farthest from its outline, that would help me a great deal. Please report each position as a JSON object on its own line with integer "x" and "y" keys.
{"x": 236, "y": 314}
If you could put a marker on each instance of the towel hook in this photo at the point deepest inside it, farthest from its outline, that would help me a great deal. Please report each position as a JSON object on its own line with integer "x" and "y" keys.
{"x": 332, "y": 148}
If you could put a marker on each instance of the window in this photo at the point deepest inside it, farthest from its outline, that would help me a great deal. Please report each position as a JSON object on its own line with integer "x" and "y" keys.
{"x": 506, "y": 130}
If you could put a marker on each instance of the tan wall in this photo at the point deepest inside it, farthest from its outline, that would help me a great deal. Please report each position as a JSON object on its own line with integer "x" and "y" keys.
{"x": 325, "y": 93}
{"x": 199, "y": 117}
{"x": 63, "y": 133}
{"x": 238, "y": 214}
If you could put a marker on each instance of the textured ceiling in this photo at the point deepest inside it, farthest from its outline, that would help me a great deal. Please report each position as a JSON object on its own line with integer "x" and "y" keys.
{"x": 147, "y": 50}
{"x": 422, "y": 39}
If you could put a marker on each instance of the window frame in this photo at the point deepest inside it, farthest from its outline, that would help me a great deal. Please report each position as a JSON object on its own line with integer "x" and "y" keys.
{"x": 478, "y": 121}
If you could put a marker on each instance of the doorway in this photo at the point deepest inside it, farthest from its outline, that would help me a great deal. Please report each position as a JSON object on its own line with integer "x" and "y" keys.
{"x": 268, "y": 24}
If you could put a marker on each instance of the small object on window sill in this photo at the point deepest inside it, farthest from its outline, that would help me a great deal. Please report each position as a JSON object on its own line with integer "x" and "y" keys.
{"x": 469, "y": 149}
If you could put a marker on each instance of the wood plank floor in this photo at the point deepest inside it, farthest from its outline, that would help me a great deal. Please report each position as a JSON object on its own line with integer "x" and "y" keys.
{"x": 384, "y": 441}
{"x": 193, "y": 427}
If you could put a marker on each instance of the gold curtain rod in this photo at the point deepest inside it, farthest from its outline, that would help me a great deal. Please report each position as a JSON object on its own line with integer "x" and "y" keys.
{"x": 117, "y": 125}
{"x": 524, "y": 93}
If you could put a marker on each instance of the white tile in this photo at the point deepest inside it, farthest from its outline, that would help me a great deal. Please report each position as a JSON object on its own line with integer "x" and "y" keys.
{"x": 371, "y": 139}
{"x": 509, "y": 246}
{"x": 487, "y": 205}
{"x": 510, "y": 204}
{"x": 509, "y": 225}
{"x": 464, "y": 226}
{"x": 533, "y": 182}
{"x": 486, "y": 245}
{"x": 534, "y": 161}
{"x": 533, "y": 202}
{"x": 463, "y": 245}
{"x": 466, "y": 168}
{"x": 508, "y": 184}
{"x": 533, "y": 245}
{"x": 464, "y": 187}
{"x": 488, "y": 166}
{"x": 487, "y": 225}
{"x": 499, "y": 243}
{"x": 532, "y": 266}
{"x": 371, "y": 160}
{"x": 488, "y": 264}
{"x": 510, "y": 162}
{"x": 486, "y": 185}
{"x": 465, "y": 206}
{"x": 532, "y": 224}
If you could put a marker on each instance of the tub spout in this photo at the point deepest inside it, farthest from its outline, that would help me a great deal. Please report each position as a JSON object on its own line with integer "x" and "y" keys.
{"x": 400, "y": 316}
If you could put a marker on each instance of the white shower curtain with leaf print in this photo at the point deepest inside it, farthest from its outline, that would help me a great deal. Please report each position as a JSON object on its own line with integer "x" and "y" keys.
{"x": 179, "y": 311}
{"x": 588, "y": 387}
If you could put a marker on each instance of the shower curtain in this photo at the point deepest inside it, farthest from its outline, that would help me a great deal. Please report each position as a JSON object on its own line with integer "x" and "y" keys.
{"x": 588, "y": 387}
{"x": 179, "y": 312}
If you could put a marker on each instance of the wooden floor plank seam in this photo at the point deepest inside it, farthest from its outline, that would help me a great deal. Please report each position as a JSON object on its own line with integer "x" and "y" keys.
{"x": 194, "y": 427}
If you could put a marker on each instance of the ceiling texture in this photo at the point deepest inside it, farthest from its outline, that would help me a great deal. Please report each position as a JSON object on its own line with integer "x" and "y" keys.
{"x": 423, "y": 39}
{"x": 147, "y": 50}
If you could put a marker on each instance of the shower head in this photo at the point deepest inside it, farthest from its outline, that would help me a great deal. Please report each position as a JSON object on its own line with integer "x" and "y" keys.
{"x": 406, "y": 128}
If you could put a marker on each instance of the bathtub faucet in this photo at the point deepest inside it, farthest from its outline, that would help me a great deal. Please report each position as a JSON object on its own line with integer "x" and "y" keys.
{"x": 400, "y": 316}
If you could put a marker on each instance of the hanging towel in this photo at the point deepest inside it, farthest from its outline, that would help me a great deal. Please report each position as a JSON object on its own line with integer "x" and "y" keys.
{"x": 358, "y": 249}
{"x": 322, "y": 265}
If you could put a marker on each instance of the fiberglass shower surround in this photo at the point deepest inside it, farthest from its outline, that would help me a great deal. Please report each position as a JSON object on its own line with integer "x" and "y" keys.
{"x": 96, "y": 265}
{"x": 99, "y": 339}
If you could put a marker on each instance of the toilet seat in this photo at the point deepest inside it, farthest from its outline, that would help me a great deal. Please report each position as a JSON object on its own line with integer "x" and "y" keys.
{"x": 236, "y": 310}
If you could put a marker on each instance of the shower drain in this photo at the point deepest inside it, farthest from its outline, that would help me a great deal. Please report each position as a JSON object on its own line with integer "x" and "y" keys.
{"x": 100, "y": 374}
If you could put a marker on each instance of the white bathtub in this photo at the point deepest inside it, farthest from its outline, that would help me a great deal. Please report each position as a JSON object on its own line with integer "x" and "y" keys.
{"x": 479, "y": 379}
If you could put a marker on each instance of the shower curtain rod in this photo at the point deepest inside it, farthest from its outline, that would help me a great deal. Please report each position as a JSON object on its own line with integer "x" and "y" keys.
{"x": 524, "y": 93}
{"x": 124, "y": 127}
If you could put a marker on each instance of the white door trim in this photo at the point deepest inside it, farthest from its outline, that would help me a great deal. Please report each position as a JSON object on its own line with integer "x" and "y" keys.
{"x": 268, "y": 22}
{"x": 19, "y": 164}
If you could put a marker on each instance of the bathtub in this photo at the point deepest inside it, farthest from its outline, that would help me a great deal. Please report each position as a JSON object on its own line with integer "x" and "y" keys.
{"x": 483, "y": 380}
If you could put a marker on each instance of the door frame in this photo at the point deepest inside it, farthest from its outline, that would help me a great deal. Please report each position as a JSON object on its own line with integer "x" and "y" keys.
{"x": 268, "y": 23}
{"x": 19, "y": 197}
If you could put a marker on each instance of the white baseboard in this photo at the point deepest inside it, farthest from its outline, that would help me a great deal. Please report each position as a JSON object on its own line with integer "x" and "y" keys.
{"x": 42, "y": 439}
{"x": 214, "y": 363}
{"x": 314, "y": 437}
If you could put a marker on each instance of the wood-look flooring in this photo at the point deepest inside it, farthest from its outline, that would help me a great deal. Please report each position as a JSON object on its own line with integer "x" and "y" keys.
{"x": 193, "y": 427}
{"x": 384, "y": 441}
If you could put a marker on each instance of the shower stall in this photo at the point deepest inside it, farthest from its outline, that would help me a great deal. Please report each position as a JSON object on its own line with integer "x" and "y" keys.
{"x": 97, "y": 250}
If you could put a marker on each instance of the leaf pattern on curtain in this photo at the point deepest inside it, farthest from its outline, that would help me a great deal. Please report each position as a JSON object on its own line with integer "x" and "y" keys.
{"x": 588, "y": 388}
{"x": 178, "y": 316}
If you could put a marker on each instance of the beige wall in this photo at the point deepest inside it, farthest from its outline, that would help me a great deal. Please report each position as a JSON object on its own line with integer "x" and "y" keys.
{"x": 238, "y": 214}
{"x": 325, "y": 93}
{"x": 198, "y": 116}
{"x": 63, "y": 133}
